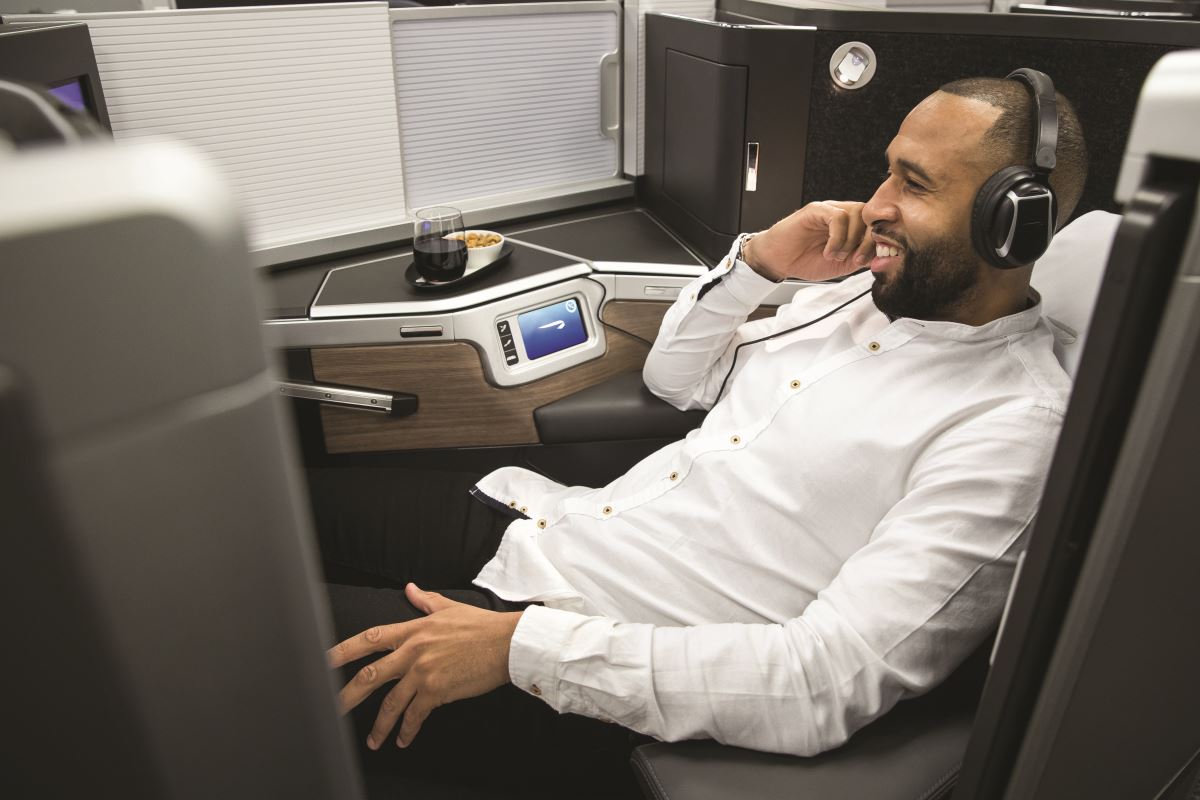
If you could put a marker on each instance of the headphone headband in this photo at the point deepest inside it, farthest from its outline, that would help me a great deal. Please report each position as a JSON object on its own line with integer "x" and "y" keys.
{"x": 1046, "y": 114}
{"x": 1015, "y": 211}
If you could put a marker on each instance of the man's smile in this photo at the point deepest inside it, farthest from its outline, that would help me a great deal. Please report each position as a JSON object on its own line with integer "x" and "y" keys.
{"x": 888, "y": 254}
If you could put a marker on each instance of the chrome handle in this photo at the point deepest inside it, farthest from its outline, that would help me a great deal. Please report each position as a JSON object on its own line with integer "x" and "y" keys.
{"x": 751, "y": 166}
{"x": 610, "y": 95}
{"x": 396, "y": 404}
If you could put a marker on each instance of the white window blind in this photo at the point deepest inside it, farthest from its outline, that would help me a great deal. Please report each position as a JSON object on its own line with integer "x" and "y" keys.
{"x": 635, "y": 67}
{"x": 295, "y": 104}
{"x": 496, "y": 100}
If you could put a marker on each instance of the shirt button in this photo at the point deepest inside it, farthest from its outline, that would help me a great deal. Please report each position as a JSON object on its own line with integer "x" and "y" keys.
{"x": 674, "y": 476}
{"x": 873, "y": 347}
{"x": 512, "y": 503}
{"x": 606, "y": 510}
{"x": 536, "y": 691}
{"x": 694, "y": 296}
{"x": 524, "y": 509}
{"x": 541, "y": 523}
{"x": 735, "y": 439}
{"x": 794, "y": 384}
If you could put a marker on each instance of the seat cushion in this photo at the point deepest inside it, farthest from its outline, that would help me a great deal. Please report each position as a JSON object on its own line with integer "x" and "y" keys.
{"x": 1068, "y": 278}
{"x": 911, "y": 753}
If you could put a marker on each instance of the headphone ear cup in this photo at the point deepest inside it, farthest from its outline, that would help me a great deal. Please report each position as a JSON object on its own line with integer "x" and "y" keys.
{"x": 992, "y": 214}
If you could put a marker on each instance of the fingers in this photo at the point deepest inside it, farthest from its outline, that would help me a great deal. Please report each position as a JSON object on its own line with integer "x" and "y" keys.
{"x": 428, "y": 602}
{"x": 372, "y": 640}
{"x": 414, "y": 717}
{"x": 866, "y": 250}
{"x": 846, "y": 229}
{"x": 394, "y": 704}
{"x": 374, "y": 675}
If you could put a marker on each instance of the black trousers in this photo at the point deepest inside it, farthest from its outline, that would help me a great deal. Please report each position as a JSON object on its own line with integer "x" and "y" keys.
{"x": 380, "y": 528}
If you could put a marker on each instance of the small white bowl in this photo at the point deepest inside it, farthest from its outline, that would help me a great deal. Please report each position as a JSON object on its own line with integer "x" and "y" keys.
{"x": 478, "y": 257}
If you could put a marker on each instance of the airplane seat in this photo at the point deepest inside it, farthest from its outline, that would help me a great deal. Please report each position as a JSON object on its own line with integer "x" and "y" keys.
{"x": 160, "y": 589}
{"x": 915, "y": 750}
{"x": 1068, "y": 278}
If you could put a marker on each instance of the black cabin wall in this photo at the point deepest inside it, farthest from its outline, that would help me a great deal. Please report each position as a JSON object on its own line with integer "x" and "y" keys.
{"x": 833, "y": 140}
{"x": 849, "y": 130}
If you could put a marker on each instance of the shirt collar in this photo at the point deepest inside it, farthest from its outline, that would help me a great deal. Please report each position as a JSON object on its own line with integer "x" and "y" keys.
{"x": 1021, "y": 322}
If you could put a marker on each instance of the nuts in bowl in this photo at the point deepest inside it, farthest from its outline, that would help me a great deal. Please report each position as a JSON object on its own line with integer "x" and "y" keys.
{"x": 483, "y": 247}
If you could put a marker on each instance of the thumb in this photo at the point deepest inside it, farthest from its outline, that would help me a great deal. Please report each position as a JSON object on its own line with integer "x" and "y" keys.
{"x": 428, "y": 602}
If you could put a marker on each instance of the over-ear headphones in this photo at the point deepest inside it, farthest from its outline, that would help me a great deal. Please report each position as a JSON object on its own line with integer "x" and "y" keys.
{"x": 1015, "y": 212}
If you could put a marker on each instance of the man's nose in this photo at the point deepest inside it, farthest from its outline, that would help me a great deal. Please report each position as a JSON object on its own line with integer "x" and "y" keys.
{"x": 882, "y": 206}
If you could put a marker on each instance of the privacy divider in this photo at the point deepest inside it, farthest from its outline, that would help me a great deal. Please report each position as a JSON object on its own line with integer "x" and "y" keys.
{"x": 635, "y": 67}
{"x": 507, "y": 110}
{"x": 836, "y": 151}
{"x": 514, "y": 100}
{"x": 295, "y": 104}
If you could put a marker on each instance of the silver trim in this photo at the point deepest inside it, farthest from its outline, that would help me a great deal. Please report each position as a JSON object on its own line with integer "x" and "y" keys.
{"x": 503, "y": 10}
{"x": 641, "y": 268}
{"x": 610, "y": 96}
{"x": 304, "y": 333}
{"x": 477, "y": 213}
{"x": 670, "y": 234}
{"x": 477, "y": 326}
{"x": 435, "y": 305}
{"x": 740, "y": 25}
{"x": 136, "y": 12}
{"x": 751, "y": 166}
{"x": 1016, "y": 199}
{"x": 340, "y": 396}
{"x": 420, "y": 331}
{"x": 839, "y": 55}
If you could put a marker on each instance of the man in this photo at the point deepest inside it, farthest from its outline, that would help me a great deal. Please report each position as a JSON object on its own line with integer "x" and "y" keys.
{"x": 841, "y": 531}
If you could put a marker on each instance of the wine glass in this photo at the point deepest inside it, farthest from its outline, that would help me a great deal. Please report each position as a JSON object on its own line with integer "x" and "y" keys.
{"x": 439, "y": 244}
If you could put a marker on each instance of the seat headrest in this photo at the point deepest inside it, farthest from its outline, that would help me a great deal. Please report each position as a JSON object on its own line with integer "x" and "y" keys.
{"x": 1068, "y": 278}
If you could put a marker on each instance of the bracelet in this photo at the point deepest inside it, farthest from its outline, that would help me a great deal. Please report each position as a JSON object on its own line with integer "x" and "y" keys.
{"x": 741, "y": 246}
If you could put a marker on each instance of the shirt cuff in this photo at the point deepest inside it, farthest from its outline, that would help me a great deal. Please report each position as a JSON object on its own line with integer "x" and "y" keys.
{"x": 537, "y": 644}
{"x": 747, "y": 286}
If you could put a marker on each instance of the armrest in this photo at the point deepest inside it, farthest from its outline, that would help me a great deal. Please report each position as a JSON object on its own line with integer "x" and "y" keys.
{"x": 619, "y": 408}
{"x": 911, "y": 753}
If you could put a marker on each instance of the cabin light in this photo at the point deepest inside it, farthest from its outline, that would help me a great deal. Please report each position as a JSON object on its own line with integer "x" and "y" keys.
{"x": 852, "y": 65}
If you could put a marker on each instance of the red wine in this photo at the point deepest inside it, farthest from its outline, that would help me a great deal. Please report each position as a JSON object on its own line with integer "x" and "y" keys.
{"x": 439, "y": 259}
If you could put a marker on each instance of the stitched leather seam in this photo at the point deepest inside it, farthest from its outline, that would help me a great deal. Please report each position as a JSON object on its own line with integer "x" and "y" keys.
{"x": 647, "y": 769}
{"x": 941, "y": 784}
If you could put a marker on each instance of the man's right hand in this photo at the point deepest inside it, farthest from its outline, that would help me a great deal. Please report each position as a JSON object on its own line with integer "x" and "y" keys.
{"x": 820, "y": 241}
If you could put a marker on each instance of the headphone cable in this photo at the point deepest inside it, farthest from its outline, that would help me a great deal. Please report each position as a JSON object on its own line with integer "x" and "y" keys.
{"x": 802, "y": 326}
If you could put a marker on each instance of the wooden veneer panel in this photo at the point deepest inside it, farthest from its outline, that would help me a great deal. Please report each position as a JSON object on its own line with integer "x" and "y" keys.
{"x": 458, "y": 407}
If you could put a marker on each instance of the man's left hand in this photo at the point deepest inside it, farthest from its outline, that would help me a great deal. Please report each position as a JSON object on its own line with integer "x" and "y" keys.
{"x": 458, "y": 651}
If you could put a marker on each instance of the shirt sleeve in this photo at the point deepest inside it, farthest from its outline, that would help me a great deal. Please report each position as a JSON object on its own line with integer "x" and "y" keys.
{"x": 900, "y": 615}
{"x": 695, "y": 343}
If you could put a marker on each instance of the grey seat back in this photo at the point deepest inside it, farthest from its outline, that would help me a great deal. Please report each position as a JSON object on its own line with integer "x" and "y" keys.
{"x": 128, "y": 318}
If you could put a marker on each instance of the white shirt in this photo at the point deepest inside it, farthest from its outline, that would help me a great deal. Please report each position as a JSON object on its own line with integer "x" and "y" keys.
{"x": 839, "y": 533}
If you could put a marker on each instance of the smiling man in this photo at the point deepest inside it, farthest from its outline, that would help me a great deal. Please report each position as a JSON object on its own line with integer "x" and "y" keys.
{"x": 838, "y": 535}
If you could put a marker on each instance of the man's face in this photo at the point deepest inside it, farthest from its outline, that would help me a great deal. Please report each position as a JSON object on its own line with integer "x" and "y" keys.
{"x": 922, "y": 211}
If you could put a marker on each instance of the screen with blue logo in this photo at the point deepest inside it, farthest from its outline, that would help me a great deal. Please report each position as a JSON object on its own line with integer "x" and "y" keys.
{"x": 553, "y": 328}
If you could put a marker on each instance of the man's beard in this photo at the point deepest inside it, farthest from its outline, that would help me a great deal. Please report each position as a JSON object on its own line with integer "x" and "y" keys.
{"x": 932, "y": 283}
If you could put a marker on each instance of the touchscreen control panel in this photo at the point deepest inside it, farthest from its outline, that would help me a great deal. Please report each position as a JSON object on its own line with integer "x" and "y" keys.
{"x": 539, "y": 332}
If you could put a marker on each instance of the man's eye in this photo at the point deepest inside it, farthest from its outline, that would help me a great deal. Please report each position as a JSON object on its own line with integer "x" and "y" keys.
{"x": 914, "y": 186}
